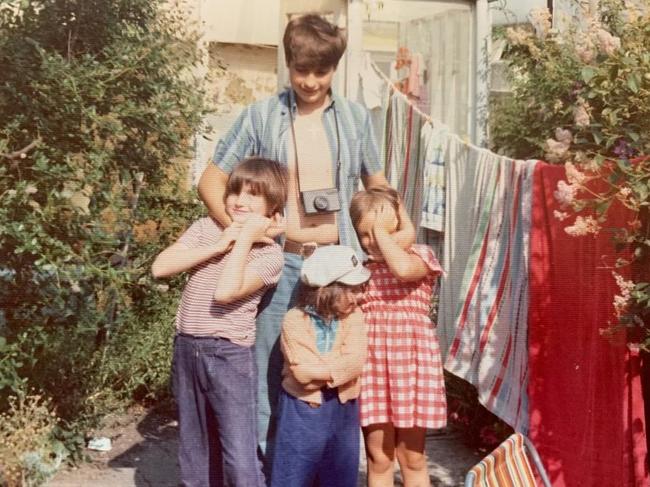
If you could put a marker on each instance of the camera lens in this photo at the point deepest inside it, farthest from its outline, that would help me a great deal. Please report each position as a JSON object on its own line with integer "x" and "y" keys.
{"x": 321, "y": 203}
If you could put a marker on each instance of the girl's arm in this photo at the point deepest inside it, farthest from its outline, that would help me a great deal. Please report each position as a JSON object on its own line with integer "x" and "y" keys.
{"x": 307, "y": 365}
{"x": 237, "y": 279}
{"x": 403, "y": 265}
{"x": 348, "y": 363}
{"x": 179, "y": 257}
{"x": 405, "y": 234}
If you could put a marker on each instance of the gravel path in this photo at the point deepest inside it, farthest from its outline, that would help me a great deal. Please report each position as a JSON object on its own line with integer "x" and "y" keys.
{"x": 144, "y": 446}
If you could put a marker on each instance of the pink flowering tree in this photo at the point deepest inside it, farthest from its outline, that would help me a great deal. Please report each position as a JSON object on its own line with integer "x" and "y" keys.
{"x": 581, "y": 97}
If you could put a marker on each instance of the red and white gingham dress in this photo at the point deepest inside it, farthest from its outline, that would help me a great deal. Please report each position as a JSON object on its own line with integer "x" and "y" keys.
{"x": 402, "y": 381}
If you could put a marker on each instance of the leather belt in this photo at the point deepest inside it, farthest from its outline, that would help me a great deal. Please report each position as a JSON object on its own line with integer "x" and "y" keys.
{"x": 302, "y": 249}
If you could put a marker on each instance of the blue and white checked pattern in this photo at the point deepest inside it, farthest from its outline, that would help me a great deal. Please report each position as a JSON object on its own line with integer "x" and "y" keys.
{"x": 263, "y": 129}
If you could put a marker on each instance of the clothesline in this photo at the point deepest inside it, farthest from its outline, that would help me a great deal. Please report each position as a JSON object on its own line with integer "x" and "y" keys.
{"x": 426, "y": 117}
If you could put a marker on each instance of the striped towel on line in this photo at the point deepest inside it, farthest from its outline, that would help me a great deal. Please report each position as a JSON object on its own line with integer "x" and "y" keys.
{"x": 488, "y": 343}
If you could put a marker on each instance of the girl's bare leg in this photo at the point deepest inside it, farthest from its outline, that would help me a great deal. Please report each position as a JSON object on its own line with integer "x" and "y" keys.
{"x": 380, "y": 453}
{"x": 411, "y": 456}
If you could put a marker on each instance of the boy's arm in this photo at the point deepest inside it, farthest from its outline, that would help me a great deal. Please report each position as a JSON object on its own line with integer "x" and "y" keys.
{"x": 405, "y": 234}
{"x": 305, "y": 363}
{"x": 212, "y": 187}
{"x": 348, "y": 363}
{"x": 180, "y": 257}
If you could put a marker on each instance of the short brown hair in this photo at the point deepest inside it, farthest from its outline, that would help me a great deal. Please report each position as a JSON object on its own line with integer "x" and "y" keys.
{"x": 370, "y": 199}
{"x": 330, "y": 302}
{"x": 310, "y": 41}
{"x": 265, "y": 177}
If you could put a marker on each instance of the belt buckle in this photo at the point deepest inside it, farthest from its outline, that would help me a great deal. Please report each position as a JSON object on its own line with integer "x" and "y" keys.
{"x": 307, "y": 248}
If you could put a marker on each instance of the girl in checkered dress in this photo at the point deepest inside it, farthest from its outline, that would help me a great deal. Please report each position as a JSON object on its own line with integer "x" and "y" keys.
{"x": 402, "y": 387}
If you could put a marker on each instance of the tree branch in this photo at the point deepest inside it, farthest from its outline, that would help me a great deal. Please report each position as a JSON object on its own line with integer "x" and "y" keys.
{"x": 21, "y": 153}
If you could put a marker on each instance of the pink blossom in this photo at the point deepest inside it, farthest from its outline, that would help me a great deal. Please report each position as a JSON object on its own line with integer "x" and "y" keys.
{"x": 517, "y": 36}
{"x": 563, "y": 135}
{"x": 560, "y": 215}
{"x": 585, "y": 49}
{"x": 583, "y": 226}
{"x": 621, "y": 301}
{"x": 555, "y": 151}
{"x": 624, "y": 285}
{"x": 565, "y": 193}
{"x": 581, "y": 116}
{"x": 607, "y": 43}
{"x": 573, "y": 175}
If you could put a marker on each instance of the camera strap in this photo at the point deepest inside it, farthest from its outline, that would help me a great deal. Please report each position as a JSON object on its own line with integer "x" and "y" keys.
{"x": 338, "y": 150}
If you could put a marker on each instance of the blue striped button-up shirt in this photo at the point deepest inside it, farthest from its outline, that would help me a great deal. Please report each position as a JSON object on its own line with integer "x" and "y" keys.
{"x": 263, "y": 129}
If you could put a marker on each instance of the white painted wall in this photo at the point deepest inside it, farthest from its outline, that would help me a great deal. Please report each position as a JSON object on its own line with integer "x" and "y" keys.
{"x": 250, "y": 74}
{"x": 241, "y": 21}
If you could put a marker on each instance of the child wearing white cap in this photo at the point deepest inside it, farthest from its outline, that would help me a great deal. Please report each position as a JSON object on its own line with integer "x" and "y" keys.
{"x": 324, "y": 344}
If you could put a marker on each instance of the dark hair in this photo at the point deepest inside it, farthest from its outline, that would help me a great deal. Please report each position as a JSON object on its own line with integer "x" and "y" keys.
{"x": 330, "y": 302}
{"x": 370, "y": 199}
{"x": 265, "y": 177}
{"x": 310, "y": 41}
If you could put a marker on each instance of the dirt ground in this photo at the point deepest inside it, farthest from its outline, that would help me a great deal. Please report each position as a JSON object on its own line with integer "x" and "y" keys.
{"x": 144, "y": 444}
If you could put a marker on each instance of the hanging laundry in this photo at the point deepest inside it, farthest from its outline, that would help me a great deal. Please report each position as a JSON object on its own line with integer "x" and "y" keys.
{"x": 407, "y": 73}
{"x": 400, "y": 69}
{"x": 374, "y": 94}
{"x": 434, "y": 142}
{"x": 415, "y": 78}
{"x": 470, "y": 185}
{"x": 489, "y": 346}
{"x": 586, "y": 405}
{"x": 394, "y": 141}
{"x": 403, "y": 159}
{"x": 371, "y": 86}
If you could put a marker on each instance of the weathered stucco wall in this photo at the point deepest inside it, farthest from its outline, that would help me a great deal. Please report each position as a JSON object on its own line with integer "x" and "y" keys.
{"x": 238, "y": 74}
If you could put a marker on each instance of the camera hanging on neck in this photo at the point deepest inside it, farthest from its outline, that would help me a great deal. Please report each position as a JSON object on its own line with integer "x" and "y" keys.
{"x": 319, "y": 200}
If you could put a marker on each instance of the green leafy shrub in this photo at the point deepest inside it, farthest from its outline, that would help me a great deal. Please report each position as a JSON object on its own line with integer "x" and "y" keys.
{"x": 99, "y": 108}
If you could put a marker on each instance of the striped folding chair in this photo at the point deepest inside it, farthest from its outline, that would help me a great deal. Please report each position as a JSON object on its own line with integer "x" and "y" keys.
{"x": 508, "y": 465}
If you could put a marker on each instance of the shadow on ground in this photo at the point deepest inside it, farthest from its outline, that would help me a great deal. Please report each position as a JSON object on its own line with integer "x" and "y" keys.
{"x": 145, "y": 445}
{"x": 153, "y": 459}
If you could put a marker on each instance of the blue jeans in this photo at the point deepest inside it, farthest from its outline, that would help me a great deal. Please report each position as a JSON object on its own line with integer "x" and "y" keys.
{"x": 275, "y": 304}
{"x": 214, "y": 384}
{"x": 316, "y": 444}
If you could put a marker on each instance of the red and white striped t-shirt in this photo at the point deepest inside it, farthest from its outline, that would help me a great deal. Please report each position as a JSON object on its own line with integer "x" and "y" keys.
{"x": 198, "y": 313}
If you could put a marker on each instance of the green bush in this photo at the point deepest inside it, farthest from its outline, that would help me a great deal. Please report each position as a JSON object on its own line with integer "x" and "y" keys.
{"x": 99, "y": 107}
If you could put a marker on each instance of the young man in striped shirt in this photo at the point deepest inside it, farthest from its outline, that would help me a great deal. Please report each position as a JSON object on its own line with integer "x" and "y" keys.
{"x": 320, "y": 137}
{"x": 213, "y": 369}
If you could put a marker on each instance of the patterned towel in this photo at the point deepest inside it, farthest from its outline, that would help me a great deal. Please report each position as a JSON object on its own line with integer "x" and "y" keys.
{"x": 470, "y": 178}
{"x": 434, "y": 143}
{"x": 489, "y": 347}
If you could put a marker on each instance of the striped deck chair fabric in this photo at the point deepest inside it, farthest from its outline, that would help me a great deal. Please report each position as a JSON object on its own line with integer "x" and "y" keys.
{"x": 507, "y": 466}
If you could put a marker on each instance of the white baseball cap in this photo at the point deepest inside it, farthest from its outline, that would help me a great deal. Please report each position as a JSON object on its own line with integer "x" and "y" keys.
{"x": 333, "y": 263}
